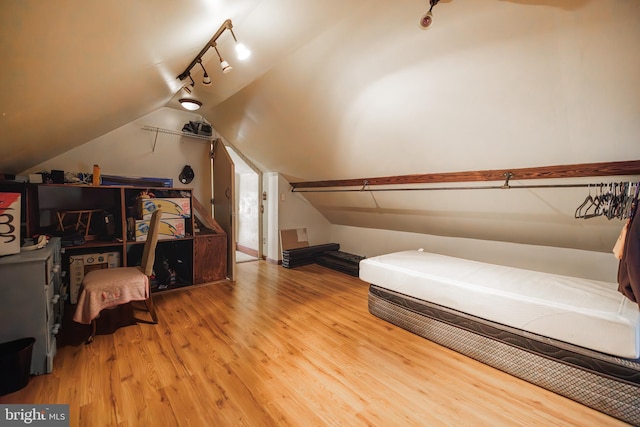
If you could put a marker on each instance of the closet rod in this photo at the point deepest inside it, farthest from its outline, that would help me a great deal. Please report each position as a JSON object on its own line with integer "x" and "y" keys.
{"x": 545, "y": 172}
{"x": 484, "y": 187}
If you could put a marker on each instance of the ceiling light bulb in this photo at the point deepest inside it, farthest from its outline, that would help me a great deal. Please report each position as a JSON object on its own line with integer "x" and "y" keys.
{"x": 242, "y": 51}
{"x": 190, "y": 104}
{"x": 225, "y": 66}
{"x": 206, "y": 80}
{"x": 426, "y": 20}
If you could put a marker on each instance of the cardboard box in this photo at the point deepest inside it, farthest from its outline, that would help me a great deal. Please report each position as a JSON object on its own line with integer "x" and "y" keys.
{"x": 9, "y": 223}
{"x": 171, "y": 207}
{"x": 168, "y": 228}
{"x": 79, "y": 265}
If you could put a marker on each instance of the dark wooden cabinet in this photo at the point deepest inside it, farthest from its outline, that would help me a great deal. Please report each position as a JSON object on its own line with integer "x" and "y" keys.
{"x": 209, "y": 258}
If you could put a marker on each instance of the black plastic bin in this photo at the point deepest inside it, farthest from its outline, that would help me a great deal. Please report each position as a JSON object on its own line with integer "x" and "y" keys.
{"x": 15, "y": 364}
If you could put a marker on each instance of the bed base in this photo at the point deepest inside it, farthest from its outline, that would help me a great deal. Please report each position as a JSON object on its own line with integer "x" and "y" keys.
{"x": 605, "y": 383}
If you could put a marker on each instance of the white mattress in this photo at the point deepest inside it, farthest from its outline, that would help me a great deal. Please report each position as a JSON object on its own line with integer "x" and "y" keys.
{"x": 586, "y": 313}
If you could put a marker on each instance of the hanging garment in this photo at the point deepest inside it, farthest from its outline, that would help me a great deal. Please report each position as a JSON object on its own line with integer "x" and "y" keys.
{"x": 618, "y": 248}
{"x": 629, "y": 267}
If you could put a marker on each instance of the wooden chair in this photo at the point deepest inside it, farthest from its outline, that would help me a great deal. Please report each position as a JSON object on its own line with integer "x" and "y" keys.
{"x": 111, "y": 287}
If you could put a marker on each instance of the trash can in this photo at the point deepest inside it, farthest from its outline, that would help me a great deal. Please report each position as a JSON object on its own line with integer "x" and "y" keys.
{"x": 15, "y": 364}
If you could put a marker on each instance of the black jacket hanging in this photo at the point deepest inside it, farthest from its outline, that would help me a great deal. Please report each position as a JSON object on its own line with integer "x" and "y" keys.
{"x": 629, "y": 267}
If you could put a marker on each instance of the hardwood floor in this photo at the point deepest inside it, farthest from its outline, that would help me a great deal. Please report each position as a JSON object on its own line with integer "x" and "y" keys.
{"x": 282, "y": 347}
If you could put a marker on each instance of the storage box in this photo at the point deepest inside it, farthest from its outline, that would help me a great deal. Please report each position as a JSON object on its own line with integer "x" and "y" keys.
{"x": 171, "y": 207}
{"x": 168, "y": 228}
{"x": 9, "y": 223}
{"x": 79, "y": 265}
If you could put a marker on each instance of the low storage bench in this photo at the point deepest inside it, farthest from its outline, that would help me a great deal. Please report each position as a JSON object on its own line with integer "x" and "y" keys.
{"x": 576, "y": 337}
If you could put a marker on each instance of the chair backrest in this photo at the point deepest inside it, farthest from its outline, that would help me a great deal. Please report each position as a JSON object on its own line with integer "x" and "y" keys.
{"x": 149, "y": 253}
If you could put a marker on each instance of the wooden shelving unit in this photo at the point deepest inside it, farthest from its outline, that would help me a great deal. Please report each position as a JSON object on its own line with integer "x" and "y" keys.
{"x": 180, "y": 262}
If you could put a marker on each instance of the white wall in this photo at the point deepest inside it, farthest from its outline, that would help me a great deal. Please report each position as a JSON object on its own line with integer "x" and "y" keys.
{"x": 286, "y": 210}
{"x": 270, "y": 227}
{"x": 247, "y": 210}
{"x": 572, "y": 262}
{"x": 132, "y": 151}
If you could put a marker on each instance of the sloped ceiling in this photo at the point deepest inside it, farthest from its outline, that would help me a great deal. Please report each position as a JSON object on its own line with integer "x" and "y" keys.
{"x": 493, "y": 84}
{"x": 74, "y": 70}
{"x": 347, "y": 89}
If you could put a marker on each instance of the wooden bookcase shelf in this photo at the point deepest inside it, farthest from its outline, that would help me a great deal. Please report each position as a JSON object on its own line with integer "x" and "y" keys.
{"x": 180, "y": 261}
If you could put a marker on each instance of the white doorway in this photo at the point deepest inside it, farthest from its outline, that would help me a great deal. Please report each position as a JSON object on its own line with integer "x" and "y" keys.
{"x": 248, "y": 208}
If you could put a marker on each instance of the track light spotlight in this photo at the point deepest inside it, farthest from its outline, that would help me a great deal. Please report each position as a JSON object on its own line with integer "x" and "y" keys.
{"x": 223, "y": 64}
{"x": 206, "y": 80}
{"x": 427, "y": 18}
{"x": 241, "y": 50}
{"x": 190, "y": 104}
{"x": 188, "y": 88}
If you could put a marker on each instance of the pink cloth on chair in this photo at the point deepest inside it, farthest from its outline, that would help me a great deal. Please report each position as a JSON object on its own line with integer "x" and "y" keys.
{"x": 108, "y": 288}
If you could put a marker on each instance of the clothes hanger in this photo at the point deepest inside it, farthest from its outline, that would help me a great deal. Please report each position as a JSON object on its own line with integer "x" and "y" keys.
{"x": 607, "y": 198}
{"x": 614, "y": 208}
{"x": 595, "y": 204}
{"x": 587, "y": 200}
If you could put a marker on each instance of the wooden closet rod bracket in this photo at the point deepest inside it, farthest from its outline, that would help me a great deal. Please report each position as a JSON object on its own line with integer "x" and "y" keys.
{"x": 508, "y": 176}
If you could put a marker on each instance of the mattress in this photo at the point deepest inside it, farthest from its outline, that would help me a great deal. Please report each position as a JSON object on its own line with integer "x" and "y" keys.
{"x": 585, "y": 313}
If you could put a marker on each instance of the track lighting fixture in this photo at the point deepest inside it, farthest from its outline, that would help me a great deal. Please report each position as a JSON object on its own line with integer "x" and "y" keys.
{"x": 190, "y": 104}
{"x": 206, "y": 80}
{"x": 241, "y": 50}
{"x": 427, "y": 18}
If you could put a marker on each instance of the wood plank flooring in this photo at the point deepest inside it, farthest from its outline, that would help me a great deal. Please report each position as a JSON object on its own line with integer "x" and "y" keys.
{"x": 282, "y": 347}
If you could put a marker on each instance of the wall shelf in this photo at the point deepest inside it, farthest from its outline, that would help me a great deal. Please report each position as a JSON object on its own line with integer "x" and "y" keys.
{"x": 158, "y": 130}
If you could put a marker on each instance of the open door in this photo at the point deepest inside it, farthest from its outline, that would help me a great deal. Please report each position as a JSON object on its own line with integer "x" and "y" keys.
{"x": 224, "y": 200}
